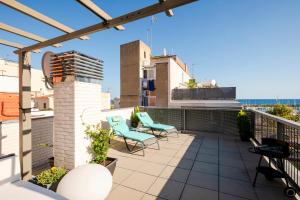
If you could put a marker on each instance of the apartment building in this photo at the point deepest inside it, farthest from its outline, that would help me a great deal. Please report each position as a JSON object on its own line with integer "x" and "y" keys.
{"x": 9, "y": 81}
{"x": 148, "y": 80}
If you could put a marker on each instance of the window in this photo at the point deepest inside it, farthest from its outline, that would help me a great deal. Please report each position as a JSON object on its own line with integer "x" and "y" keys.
{"x": 145, "y": 55}
{"x": 45, "y": 105}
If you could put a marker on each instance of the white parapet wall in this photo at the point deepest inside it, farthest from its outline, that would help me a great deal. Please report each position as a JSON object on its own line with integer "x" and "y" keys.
{"x": 42, "y": 133}
{"x": 72, "y": 100}
{"x": 75, "y": 104}
{"x": 9, "y": 137}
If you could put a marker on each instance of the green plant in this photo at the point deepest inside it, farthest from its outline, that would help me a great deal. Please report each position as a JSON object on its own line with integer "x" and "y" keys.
{"x": 281, "y": 110}
{"x": 284, "y": 111}
{"x": 99, "y": 142}
{"x": 50, "y": 176}
{"x": 191, "y": 84}
{"x": 134, "y": 118}
{"x": 243, "y": 124}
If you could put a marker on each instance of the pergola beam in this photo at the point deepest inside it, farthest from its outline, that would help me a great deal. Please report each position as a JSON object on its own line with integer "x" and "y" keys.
{"x": 98, "y": 11}
{"x": 15, "y": 45}
{"x": 169, "y": 13}
{"x": 25, "y": 34}
{"x": 130, "y": 17}
{"x": 39, "y": 16}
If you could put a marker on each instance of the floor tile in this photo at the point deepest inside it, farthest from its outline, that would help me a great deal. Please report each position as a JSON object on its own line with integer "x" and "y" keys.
{"x": 205, "y": 167}
{"x": 161, "y": 159}
{"x": 208, "y": 151}
{"x": 163, "y": 151}
{"x": 234, "y": 173}
{"x": 167, "y": 189}
{"x": 232, "y": 162}
{"x": 153, "y": 169}
{"x": 139, "y": 181}
{"x": 122, "y": 192}
{"x": 121, "y": 174}
{"x": 223, "y": 196}
{"x": 203, "y": 180}
{"x": 175, "y": 173}
{"x": 129, "y": 163}
{"x": 150, "y": 197}
{"x": 207, "y": 158}
{"x": 196, "y": 193}
{"x": 181, "y": 163}
{"x": 237, "y": 188}
{"x": 186, "y": 154}
{"x": 189, "y": 148}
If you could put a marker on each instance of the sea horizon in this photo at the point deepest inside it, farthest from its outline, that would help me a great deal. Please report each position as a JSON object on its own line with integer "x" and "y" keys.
{"x": 290, "y": 102}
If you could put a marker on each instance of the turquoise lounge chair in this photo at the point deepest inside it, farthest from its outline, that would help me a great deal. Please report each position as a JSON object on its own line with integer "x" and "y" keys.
{"x": 147, "y": 122}
{"x": 121, "y": 129}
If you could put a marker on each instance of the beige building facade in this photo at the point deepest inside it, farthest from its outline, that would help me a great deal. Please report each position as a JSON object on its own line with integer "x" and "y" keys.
{"x": 147, "y": 80}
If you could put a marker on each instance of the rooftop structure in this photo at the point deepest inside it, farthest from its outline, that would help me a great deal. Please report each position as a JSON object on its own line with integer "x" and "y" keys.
{"x": 148, "y": 80}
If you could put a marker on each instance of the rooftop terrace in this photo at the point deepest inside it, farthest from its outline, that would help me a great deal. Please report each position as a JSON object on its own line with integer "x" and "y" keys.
{"x": 193, "y": 166}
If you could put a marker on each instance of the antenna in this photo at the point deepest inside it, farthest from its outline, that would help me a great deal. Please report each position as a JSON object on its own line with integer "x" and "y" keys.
{"x": 150, "y": 30}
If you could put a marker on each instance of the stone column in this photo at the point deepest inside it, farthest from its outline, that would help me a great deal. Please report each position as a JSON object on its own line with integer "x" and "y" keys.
{"x": 71, "y": 100}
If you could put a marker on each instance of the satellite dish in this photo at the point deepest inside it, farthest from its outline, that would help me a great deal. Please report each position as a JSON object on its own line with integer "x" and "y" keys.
{"x": 47, "y": 69}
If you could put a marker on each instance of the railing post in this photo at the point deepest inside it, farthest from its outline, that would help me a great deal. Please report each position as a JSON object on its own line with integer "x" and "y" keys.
{"x": 280, "y": 131}
{"x": 184, "y": 124}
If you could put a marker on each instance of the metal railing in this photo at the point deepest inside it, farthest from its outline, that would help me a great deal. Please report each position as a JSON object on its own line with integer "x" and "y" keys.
{"x": 219, "y": 93}
{"x": 217, "y": 120}
{"x": 269, "y": 126}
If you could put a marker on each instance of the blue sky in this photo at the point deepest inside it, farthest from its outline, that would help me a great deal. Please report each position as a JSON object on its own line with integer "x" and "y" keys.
{"x": 251, "y": 44}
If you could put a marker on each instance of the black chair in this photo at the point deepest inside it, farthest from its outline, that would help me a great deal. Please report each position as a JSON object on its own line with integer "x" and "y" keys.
{"x": 273, "y": 149}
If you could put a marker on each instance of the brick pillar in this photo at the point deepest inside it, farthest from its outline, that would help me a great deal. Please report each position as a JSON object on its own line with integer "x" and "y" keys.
{"x": 71, "y": 100}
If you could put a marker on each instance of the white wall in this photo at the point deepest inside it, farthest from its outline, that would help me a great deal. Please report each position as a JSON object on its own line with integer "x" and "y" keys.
{"x": 9, "y": 84}
{"x": 42, "y": 133}
{"x": 9, "y": 137}
{"x": 177, "y": 76}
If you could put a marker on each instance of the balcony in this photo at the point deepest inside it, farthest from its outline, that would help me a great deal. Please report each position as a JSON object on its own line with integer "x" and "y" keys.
{"x": 204, "y": 162}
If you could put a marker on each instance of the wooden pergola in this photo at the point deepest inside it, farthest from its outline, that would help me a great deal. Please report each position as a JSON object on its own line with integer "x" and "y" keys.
{"x": 23, "y": 52}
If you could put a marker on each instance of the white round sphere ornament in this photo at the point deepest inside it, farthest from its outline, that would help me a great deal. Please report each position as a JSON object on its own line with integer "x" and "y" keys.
{"x": 86, "y": 182}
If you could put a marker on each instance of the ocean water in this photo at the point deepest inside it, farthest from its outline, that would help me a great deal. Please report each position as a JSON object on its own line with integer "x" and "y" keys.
{"x": 290, "y": 102}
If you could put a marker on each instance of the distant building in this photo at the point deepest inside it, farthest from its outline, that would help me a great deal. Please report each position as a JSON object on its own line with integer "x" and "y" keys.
{"x": 44, "y": 102}
{"x": 9, "y": 81}
{"x": 161, "y": 81}
{"x": 41, "y": 96}
{"x": 148, "y": 80}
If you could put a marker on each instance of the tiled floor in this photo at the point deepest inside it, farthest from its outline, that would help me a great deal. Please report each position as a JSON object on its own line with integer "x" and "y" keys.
{"x": 190, "y": 167}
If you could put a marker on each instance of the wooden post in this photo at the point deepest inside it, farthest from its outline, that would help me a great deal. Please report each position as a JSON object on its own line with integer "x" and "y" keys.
{"x": 25, "y": 146}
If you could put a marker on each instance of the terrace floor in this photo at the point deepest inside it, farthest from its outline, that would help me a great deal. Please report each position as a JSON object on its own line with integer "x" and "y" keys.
{"x": 191, "y": 167}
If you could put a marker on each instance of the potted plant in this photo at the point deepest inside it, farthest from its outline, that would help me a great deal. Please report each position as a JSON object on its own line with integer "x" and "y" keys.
{"x": 243, "y": 124}
{"x": 134, "y": 118}
{"x": 50, "y": 178}
{"x": 99, "y": 146}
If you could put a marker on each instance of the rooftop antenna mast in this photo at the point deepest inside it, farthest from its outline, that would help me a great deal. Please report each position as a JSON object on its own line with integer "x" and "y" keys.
{"x": 150, "y": 30}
